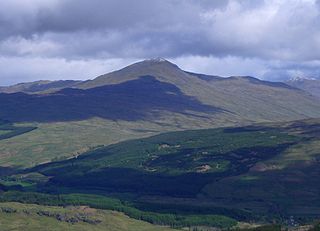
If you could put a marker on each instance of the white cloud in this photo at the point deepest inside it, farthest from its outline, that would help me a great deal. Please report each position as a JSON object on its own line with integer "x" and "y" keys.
{"x": 14, "y": 70}
{"x": 226, "y": 66}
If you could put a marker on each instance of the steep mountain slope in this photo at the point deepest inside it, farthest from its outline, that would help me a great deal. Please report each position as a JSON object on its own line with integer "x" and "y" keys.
{"x": 39, "y": 86}
{"x": 309, "y": 85}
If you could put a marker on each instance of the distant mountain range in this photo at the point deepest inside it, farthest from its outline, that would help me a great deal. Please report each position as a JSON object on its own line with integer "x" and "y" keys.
{"x": 310, "y": 85}
{"x": 39, "y": 86}
{"x": 154, "y": 89}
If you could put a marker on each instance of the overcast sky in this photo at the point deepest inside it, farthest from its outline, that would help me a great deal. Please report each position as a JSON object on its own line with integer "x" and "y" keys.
{"x": 80, "y": 39}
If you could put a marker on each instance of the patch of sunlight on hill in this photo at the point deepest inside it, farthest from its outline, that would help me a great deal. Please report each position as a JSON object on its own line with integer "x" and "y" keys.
{"x": 17, "y": 216}
{"x": 61, "y": 140}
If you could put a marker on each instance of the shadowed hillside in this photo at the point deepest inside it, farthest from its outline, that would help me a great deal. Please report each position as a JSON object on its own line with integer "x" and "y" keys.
{"x": 132, "y": 100}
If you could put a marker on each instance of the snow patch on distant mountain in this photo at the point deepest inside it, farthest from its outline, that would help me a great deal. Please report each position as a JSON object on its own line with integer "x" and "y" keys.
{"x": 156, "y": 60}
{"x": 301, "y": 78}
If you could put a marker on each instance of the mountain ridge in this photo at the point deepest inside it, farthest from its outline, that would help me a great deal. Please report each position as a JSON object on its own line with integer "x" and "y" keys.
{"x": 148, "y": 86}
{"x": 40, "y": 86}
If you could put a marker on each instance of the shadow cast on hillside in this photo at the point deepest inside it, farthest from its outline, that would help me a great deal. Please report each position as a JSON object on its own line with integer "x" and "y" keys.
{"x": 132, "y": 100}
{"x": 83, "y": 173}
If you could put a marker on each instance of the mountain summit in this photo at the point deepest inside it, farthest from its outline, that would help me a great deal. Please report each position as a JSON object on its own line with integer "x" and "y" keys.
{"x": 159, "y": 68}
{"x": 159, "y": 60}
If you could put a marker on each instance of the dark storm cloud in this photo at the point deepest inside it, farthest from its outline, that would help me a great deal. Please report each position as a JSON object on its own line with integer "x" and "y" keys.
{"x": 116, "y": 28}
{"x": 76, "y": 15}
{"x": 256, "y": 37}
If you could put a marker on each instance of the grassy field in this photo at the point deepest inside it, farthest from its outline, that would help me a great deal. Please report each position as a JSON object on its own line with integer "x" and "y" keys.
{"x": 17, "y": 216}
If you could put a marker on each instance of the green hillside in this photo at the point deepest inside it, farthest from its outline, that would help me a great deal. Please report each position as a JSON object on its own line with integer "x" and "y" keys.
{"x": 17, "y": 216}
{"x": 8, "y": 130}
{"x": 62, "y": 140}
{"x": 245, "y": 173}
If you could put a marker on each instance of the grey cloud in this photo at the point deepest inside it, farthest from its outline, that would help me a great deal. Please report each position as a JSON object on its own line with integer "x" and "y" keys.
{"x": 264, "y": 32}
{"x": 75, "y": 15}
{"x": 268, "y": 29}
{"x": 24, "y": 69}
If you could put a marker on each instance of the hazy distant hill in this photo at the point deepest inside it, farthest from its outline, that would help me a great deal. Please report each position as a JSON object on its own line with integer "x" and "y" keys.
{"x": 309, "y": 85}
{"x": 39, "y": 86}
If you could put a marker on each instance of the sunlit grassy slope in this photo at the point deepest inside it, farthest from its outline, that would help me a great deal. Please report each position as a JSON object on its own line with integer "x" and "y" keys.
{"x": 60, "y": 140}
{"x": 17, "y": 216}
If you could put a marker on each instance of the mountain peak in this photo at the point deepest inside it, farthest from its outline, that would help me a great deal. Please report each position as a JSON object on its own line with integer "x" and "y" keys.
{"x": 152, "y": 66}
{"x": 156, "y": 61}
{"x": 160, "y": 68}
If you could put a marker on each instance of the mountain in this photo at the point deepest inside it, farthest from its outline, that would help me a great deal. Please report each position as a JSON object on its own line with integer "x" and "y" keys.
{"x": 39, "y": 86}
{"x": 241, "y": 98}
{"x": 157, "y": 89}
{"x": 161, "y": 69}
{"x": 310, "y": 85}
